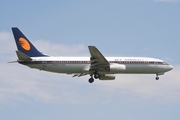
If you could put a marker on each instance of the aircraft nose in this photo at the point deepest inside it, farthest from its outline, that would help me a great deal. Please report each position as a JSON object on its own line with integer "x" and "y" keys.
{"x": 170, "y": 67}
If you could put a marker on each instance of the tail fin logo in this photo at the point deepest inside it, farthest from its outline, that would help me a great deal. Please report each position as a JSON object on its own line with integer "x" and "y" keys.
{"x": 24, "y": 44}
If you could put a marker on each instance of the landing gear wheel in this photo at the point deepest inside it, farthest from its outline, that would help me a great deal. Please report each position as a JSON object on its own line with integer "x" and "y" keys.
{"x": 96, "y": 75}
{"x": 91, "y": 80}
{"x": 157, "y": 78}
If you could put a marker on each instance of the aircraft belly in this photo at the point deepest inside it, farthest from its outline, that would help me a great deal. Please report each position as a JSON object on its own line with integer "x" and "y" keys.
{"x": 84, "y": 68}
{"x": 145, "y": 68}
{"x": 62, "y": 68}
{"x": 67, "y": 68}
{"x": 136, "y": 68}
{"x": 133, "y": 69}
{"x": 36, "y": 66}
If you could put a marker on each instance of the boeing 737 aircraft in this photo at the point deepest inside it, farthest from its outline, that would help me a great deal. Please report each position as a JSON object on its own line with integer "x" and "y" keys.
{"x": 96, "y": 65}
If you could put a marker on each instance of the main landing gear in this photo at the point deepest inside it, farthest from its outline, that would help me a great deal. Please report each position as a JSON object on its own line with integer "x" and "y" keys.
{"x": 96, "y": 76}
{"x": 91, "y": 80}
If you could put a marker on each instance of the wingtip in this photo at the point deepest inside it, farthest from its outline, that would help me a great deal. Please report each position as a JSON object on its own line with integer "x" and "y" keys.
{"x": 91, "y": 46}
{"x": 12, "y": 62}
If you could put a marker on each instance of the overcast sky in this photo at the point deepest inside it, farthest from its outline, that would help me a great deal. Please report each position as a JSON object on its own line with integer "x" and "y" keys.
{"x": 148, "y": 28}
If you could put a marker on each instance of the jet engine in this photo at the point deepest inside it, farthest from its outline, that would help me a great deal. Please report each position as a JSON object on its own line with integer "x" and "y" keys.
{"x": 116, "y": 68}
{"x": 107, "y": 77}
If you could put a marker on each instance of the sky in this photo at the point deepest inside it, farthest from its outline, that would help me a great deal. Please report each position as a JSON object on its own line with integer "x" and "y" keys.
{"x": 149, "y": 28}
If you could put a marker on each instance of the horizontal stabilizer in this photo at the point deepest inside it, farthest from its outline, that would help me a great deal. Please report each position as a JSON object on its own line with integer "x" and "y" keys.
{"x": 13, "y": 62}
{"x": 22, "y": 56}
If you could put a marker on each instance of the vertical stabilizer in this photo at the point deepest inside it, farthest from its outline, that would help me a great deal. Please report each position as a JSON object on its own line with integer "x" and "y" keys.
{"x": 24, "y": 45}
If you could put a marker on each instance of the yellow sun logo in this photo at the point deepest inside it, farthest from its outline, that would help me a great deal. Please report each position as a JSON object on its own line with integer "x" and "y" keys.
{"x": 24, "y": 43}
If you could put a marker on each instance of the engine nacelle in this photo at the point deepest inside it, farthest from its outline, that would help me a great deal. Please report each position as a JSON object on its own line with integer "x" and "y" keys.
{"x": 107, "y": 77}
{"x": 116, "y": 68}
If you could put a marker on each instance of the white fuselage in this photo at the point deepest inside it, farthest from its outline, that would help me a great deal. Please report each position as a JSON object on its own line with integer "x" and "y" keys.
{"x": 96, "y": 65}
{"x": 81, "y": 65}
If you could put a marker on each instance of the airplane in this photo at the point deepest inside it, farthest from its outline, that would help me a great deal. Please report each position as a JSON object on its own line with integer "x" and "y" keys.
{"x": 96, "y": 65}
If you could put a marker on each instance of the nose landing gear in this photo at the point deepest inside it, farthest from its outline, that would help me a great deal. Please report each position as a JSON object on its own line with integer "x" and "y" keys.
{"x": 157, "y": 74}
{"x": 157, "y": 78}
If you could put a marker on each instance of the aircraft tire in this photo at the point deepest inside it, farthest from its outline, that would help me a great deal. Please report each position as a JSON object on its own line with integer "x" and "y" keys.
{"x": 91, "y": 80}
{"x": 157, "y": 78}
{"x": 96, "y": 75}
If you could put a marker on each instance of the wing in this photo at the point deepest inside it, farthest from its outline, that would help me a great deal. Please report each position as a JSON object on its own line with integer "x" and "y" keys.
{"x": 98, "y": 61}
